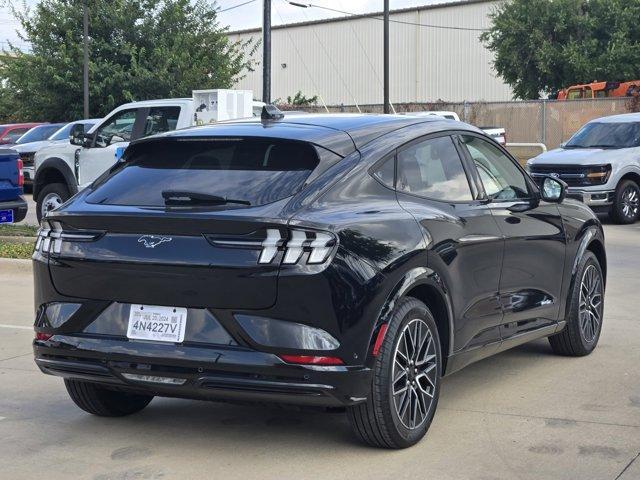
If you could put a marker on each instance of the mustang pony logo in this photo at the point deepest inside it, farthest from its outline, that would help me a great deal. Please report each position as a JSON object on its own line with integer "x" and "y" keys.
{"x": 152, "y": 241}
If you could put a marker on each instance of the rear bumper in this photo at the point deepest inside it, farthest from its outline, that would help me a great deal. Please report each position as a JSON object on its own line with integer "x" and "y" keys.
{"x": 19, "y": 207}
{"x": 205, "y": 372}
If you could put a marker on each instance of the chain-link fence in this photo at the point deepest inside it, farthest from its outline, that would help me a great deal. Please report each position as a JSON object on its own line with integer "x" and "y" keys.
{"x": 541, "y": 121}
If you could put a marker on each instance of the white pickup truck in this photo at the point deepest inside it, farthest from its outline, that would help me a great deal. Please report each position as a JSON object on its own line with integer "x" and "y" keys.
{"x": 62, "y": 170}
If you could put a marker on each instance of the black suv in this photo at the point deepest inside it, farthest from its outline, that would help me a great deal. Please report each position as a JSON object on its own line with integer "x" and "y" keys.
{"x": 335, "y": 261}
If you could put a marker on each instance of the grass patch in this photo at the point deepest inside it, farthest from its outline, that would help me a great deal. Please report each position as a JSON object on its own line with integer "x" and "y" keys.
{"x": 12, "y": 230}
{"x": 16, "y": 250}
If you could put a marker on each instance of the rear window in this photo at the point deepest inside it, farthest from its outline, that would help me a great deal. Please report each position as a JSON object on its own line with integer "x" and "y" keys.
{"x": 253, "y": 172}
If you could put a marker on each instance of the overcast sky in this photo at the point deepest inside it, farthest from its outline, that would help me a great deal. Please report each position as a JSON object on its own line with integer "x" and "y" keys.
{"x": 250, "y": 15}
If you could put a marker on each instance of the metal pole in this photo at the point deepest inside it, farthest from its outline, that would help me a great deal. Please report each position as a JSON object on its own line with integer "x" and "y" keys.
{"x": 85, "y": 12}
{"x": 386, "y": 57}
{"x": 266, "y": 52}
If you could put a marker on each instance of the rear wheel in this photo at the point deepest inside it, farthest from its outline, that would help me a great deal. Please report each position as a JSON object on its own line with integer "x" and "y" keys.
{"x": 406, "y": 381}
{"x": 626, "y": 205}
{"x": 51, "y": 197}
{"x": 584, "y": 321}
{"x": 103, "y": 402}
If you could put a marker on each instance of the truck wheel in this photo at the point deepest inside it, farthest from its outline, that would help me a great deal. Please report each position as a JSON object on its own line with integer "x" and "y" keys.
{"x": 406, "y": 381}
{"x": 51, "y": 197}
{"x": 626, "y": 205}
{"x": 103, "y": 402}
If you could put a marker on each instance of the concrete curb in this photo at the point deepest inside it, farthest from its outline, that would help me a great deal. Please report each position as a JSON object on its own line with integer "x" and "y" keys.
{"x": 10, "y": 266}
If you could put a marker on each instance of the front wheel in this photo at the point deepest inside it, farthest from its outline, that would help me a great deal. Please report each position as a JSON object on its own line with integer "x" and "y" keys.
{"x": 406, "y": 381}
{"x": 626, "y": 205}
{"x": 584, "y": 321}
{"x": 51, "y": 197}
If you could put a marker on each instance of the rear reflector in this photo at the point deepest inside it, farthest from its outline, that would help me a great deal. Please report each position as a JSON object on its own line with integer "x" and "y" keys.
{"x": 311, "y": 360}
{"x": 20, "y": 173}
{"x": 43, "y": 336}
{"x": 379, "y": 339}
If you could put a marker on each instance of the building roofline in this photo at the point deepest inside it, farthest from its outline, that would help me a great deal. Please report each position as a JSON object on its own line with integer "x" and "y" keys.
{"x": 451, "y": 3}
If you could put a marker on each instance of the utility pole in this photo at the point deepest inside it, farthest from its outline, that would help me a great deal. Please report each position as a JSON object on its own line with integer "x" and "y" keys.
{"x": 85, "y": 11}
{"x": 266, "y": 52}
{"x": 386, "y": 57}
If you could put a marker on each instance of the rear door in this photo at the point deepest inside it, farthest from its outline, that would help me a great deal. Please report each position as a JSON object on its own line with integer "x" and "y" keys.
{"x": 465, "y": 246}
{"x": 533, "y": 264}
{"x": 147, "y": 233}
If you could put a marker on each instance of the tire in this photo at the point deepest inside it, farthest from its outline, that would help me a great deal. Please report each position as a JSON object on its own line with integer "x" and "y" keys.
{"x": 580, "y": 335}
{"x": 103, "y": 402}
{"x": 378, "y": 422}
{"x": 626, "y": 205}
{"x": 51, "y": 196}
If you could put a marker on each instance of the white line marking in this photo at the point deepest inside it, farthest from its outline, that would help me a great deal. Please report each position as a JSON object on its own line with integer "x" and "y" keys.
{"x": 17, "y": 327}
{"x": 2, "y": 418}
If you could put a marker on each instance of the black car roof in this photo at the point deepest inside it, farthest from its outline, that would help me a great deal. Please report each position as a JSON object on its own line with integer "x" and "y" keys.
{"x": 341, "y": 133}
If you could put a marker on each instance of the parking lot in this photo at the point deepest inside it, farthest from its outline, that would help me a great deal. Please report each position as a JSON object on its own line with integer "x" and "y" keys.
{"x": 524, "y": 414}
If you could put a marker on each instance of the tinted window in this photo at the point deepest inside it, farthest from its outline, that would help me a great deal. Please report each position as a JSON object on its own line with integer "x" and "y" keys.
{"x": 386, "y": 172}
{"x": 14, "y": 135}
{"x": 161, "y": 119}
{"x": 37, "y": 134}
{"x": 118, "y": 128}
{"x": 257, "y": 171}
{"x": 606, "y": 135}
{"x": 501, "y": 178}
{"x": 433, "y": 169}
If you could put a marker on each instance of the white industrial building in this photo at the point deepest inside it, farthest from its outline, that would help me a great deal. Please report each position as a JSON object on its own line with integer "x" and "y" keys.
{"x": 341, "y": 60}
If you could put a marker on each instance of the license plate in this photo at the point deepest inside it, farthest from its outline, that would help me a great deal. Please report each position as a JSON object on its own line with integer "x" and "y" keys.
{"x": 6, "y": 216}
{"x": 160, "y": 324}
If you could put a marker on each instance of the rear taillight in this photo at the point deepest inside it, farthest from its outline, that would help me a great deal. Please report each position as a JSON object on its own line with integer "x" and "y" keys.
{"x": 311, "y": 360}
{"x": 52, "y": 235}
{"x": 318, "y": 244}
{"x": 43, "y": 336}
{"x": 20, "y": 173}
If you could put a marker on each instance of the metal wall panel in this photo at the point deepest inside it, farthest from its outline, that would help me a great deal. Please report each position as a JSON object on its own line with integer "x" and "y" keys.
{"x": 341, "y": 61}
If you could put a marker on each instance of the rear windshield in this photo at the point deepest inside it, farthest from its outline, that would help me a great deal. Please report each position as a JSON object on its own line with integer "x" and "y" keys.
{"x": 606, "y": 135}
{"x": 244, "y": 171}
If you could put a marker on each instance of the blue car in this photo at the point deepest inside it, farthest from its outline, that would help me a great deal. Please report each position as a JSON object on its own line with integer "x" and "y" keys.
{"x": 13, "y": 208}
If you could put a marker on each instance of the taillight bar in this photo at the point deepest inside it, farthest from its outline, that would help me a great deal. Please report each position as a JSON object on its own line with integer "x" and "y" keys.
{"x": 52, "y": 234}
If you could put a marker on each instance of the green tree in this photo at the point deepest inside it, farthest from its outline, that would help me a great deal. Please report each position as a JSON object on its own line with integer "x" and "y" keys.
{"x": 541, "y": 46}
{"x": 300, "y": 100}
{"x": 139, "y": 50}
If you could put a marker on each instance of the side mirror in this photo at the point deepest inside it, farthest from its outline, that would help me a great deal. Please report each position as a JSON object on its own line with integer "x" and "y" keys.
{"x": 553, "y": 190}
{"x": 76, "y": 136}
{"x": 563, "y": 144}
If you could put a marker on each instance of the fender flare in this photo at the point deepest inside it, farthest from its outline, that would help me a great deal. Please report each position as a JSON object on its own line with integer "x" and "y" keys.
{"x": 412, "y": 278}
{"x": 54, "y": 163}
{"x": 589, "y": 234}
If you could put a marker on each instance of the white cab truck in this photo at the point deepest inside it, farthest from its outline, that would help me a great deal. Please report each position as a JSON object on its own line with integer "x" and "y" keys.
{"x": 62, "y": 170}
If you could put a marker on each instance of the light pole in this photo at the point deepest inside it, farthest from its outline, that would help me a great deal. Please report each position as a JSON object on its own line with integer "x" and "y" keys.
{"x": 385, "y": 87}
{"x": 266, "y": 52}
{"x": 85, "y": 73}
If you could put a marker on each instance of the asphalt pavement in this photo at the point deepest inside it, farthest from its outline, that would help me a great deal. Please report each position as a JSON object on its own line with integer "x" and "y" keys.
{"x": 524, "y": 414}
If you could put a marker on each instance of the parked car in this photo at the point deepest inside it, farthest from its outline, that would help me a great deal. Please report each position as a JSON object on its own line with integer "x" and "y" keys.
{"x": 60, "y": 136}
{"x": 601, "y": 165}
{"x": 498, "y": 134}
{"x": 11, "y": 132}
{"x": 13, "y": 208}
{"x": 328, "y": 260}
{"x": 63, "y": 170}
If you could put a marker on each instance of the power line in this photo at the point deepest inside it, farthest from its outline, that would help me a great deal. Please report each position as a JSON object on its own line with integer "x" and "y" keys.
{"x": 351, "y": 14}
{"x": 236, "y": 6}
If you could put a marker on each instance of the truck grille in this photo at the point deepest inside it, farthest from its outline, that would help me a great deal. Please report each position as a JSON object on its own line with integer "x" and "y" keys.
{"x": 572, "y": 175}
{"x": 27, "y": 159}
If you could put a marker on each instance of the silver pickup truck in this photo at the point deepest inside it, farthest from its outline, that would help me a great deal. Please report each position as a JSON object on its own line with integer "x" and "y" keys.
{"x": 601, "y": 166}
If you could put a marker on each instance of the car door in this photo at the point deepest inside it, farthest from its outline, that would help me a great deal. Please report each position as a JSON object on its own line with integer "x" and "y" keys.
{"x": 534, "y": 249}
{"x": 114, "y": 133}
{"x": 464, "y": 243}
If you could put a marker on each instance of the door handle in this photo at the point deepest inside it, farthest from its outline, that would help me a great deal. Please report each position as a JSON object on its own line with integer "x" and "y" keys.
{"x": 513, "y": 220}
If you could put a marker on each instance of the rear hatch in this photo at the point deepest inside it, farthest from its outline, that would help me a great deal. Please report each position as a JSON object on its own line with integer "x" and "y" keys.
{"x": 9, "y": 175}
{"x": 183, "y": 222}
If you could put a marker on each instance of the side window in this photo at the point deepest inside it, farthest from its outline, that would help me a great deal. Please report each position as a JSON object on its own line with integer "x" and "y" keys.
{"x": 386, "y": 173}
{"x": 432, "y": 168}
{"x": 501, "y": 179}
{"x": 15, "y": 134}
{"x": 161, "y": 119}
{"x": 117, "y": 129}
